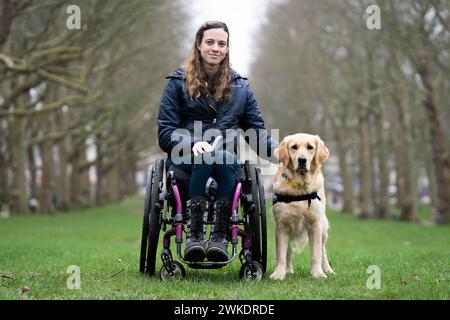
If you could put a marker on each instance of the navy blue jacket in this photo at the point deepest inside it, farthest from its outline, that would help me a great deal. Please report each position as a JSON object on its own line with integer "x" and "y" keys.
{"x": 240, "y": 111}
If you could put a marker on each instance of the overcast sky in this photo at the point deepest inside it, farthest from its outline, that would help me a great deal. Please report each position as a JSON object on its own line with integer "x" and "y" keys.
{"x": 242, "y": 18}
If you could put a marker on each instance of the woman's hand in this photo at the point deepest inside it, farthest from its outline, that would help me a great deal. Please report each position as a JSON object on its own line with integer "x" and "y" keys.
{"x": 201, "y": 147}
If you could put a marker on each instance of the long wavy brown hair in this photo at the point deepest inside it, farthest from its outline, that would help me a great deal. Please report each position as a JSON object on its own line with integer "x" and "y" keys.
{"x": 196, "y": 78}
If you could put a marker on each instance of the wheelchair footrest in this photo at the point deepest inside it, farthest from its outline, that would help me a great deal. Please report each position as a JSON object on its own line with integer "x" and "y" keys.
{"x": 167, "y": 260}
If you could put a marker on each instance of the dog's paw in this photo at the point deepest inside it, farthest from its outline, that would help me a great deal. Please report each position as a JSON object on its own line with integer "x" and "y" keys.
{"x": 329, "y": 270}
{"x": 278, "y": 275}
{"x": 318, "y": 273}
{"x": 289, "y": 270}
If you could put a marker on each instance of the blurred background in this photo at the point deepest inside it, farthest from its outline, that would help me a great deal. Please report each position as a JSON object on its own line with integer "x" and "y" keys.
{"x": 78, "y": 106}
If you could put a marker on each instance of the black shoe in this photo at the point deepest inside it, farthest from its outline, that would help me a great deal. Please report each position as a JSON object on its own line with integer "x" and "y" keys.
{"x": 218, "y": 243}
{"x": 195, "y": 249}
{"x": 217, "y": 248}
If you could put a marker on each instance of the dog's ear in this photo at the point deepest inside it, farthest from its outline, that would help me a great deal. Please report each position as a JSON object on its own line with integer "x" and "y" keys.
{"x": 321, "y": 152}
{"x": 282, "y": 153}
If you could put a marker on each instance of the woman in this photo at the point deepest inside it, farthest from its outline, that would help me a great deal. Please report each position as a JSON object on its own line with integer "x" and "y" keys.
{"x": 207, "y": 92}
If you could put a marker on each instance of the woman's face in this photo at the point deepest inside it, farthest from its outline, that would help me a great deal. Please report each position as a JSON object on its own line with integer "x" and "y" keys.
{"x": 214, "y": 46}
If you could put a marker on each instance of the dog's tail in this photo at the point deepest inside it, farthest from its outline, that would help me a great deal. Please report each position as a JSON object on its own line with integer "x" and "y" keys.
{"x": 300, "y": 242}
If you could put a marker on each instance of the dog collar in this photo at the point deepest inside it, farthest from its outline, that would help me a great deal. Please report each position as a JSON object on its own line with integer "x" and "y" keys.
{"x": 287, "y": 199}
{"x": 293, "y": 184}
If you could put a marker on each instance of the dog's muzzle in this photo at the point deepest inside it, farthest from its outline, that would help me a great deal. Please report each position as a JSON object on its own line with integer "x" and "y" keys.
{"x": 302, "y": 165}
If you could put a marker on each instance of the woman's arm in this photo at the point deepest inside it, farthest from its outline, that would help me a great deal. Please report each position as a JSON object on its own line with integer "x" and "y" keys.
{"x": 169, "y": 116}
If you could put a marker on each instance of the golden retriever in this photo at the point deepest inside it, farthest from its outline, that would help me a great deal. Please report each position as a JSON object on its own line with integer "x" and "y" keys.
{"x": 299, "y": 174}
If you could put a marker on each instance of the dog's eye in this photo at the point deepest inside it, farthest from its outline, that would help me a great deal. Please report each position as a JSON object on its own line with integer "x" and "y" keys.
{"x": 310, "y": 147}
{"x": 294, "y": 147}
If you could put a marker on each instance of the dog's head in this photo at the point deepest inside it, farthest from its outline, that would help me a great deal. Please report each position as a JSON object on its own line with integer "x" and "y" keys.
{"x": 302, "y": 153}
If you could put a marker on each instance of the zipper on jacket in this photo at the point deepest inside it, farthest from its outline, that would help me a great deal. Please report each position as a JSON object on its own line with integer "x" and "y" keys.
{"x": 215, "y": 118}
{"x": 211, "y": 105}
{"x": 215, "y": 110}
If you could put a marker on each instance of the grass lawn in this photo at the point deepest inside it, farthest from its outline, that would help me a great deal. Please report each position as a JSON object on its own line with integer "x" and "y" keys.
{"x": 35, "y": 252}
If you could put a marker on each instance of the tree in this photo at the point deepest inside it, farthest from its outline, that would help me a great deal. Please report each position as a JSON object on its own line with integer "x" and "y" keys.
{"x": 358, "y": 88}
{"x": 90, "y": 94}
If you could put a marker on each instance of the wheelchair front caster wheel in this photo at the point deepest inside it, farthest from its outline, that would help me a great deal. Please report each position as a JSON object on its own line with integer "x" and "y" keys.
{"x": 177, "y": 273}
{"x": 251, "y": 273}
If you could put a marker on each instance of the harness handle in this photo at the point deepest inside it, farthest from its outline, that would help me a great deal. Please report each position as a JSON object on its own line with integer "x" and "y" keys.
{"x": 287, "y": 199}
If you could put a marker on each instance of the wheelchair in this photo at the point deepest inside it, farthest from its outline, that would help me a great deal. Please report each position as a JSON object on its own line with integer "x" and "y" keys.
{"x": 165, "y": 210}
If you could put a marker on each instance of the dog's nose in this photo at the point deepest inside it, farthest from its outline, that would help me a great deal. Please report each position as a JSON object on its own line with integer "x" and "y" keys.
{"x": 302, "y": 161}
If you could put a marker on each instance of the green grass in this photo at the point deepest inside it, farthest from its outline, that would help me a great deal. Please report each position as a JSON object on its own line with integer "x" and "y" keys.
{"x": 35, "y": 251}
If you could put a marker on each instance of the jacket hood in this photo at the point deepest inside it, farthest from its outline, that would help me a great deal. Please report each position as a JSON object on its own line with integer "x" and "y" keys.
{"x": 180, "y": 74}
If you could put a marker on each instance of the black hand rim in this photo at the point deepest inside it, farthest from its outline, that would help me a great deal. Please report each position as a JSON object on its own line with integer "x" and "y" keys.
{"x": 144, "y": 239}
{"x": 154, "y": 216}
{"x": 263, "y": 215}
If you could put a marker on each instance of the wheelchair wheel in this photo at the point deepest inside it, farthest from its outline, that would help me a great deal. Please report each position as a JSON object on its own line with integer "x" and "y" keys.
{"x": 153, "y": 206}
{"x": 144, "y": 239}
{"x": 256, "y": 226}
{"x": 263, "y": 216}
{"x": 178, "y": 272}
{"x": 245, "y": 273}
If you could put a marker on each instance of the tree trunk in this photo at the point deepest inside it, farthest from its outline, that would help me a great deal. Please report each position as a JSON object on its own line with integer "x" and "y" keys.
{"x": 398, "y": 157}
{"x": 342, "y": 147}
{"x": 7, "y": 15}
{"x": 4, "y": 182}
{"x": 372, "y": 139}
{"x": 383, "y": 158}
{"x": 408, "y": 204}
{"x": 46, "y": 190}
{"x": 127, "y": 179}
{"x": 132, "y": 185}
{"x": 3, "y": 179}
{"x": 18, "y": 196}
{"x": 33, "y": 172}
{"x": 365, "y": 163}
{"x": 439, "y": 150}
{"x": 429, "y": 167}
{"x": 101, "y": 193}
{"x": 80, "y": 185}
{"x": 112, "y": 178}
{"x": 62, "y": 190}
{"x": 348, "y": 190}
